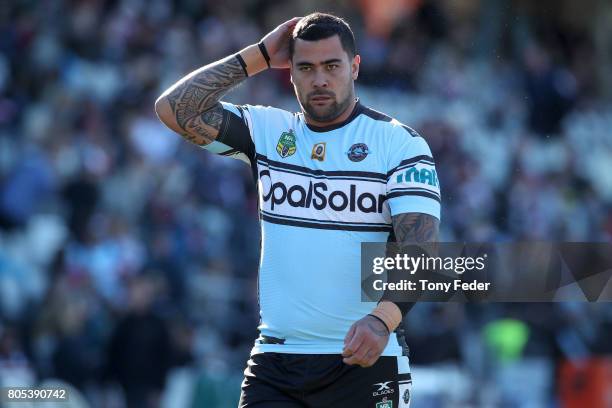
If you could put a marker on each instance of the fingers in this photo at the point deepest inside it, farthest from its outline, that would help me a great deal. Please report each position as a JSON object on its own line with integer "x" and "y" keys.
{"x": 360, "y": 351}
{"x": 364, "y": 357}
{"x": 361, "y": 347}
{"x": 361, "y": 357}
{"x": 293, "y": 21}
{"x": 349, "y": 335}
{"x": 288, "y": 25}
{"x": 353, "y": 345}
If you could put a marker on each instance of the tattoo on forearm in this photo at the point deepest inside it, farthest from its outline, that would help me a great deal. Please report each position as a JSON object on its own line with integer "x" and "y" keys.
{"x": 377, "y": 330}
{"x": 415, "y": 227}
{"x": 195, "y": 102}
{"x": 410, "y": 230}
{"x": 199, "y": 127}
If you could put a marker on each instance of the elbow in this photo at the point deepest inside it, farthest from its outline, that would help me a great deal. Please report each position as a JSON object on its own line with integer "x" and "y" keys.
{"x": 162, "y": 108}
{"x": 164, "y": 113}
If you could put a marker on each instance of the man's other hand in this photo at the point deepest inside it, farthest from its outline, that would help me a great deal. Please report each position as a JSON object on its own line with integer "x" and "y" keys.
{"x": 365, "y": 341}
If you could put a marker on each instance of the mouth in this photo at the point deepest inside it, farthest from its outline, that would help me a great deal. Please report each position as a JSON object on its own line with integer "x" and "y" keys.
{"x": 320, "y": 99}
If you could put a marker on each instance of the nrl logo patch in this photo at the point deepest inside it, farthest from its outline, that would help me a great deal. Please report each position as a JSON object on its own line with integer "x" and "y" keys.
{"x": 385, "y": 403}
{"x": 286, "y": 144}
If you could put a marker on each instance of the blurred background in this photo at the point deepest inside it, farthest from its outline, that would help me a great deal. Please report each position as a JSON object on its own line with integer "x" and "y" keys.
{"x": 128, "y": 258}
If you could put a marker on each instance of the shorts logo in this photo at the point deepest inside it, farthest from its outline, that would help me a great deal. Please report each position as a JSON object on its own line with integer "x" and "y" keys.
{"x": 383, "y": 386}
{"x": 383, "y": 389}
{"x": 318, "y": 152}
{"x": 286, "y": 144}
{"x": 358, "y": 152}
{"x": 385, "y": 403}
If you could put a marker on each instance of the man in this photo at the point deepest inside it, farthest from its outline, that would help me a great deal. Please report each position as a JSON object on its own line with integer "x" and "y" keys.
{"x": 328, "y": 179}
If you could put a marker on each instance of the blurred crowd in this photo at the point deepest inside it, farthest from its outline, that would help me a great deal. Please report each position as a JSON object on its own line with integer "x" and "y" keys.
{"x": 128, "y": 257}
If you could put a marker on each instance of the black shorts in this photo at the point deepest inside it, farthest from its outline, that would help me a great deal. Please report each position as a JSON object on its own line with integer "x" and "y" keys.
{"x": 282, "y": 380}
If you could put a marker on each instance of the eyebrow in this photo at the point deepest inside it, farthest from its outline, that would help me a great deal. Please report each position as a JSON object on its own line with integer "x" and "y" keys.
{"x": 326, "y": 62}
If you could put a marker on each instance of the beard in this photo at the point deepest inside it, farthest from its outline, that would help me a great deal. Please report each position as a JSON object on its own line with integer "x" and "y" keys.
{"x": 326, "y": 113}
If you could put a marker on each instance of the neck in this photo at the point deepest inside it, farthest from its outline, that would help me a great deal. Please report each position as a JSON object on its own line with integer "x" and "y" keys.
{"x": 341, "y": 118}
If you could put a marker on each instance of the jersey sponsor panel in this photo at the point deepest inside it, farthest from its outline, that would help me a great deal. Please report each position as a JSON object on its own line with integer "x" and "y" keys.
{"x": 344, "y": 199}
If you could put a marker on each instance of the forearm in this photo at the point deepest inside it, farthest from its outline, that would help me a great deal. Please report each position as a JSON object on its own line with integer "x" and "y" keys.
{"x": 415, "y": 228}
{"x": 410, "y": 230}
{"x": 191, "y": 106}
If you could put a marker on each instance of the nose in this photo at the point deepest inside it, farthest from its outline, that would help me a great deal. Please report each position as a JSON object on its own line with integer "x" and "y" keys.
{"x": 320, "y": 80}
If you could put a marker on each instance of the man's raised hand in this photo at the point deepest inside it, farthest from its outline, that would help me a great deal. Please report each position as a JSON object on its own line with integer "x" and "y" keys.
{"x": 277, "y": 43}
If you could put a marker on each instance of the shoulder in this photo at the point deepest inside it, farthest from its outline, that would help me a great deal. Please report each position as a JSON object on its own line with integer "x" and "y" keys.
{"x": 397, "y": 136}
{"x": 388, "y": 123}
{"x": 268, "y": 111}
{"x": 259, "y": 111}
{"x": 401, "y": 142}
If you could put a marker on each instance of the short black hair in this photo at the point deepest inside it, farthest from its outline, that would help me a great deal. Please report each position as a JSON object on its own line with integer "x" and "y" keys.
{"x": 319, "y": 26}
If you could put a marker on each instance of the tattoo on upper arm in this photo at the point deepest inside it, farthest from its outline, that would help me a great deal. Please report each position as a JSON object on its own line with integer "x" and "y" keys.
{"x": 195, "y": 102}
{"x": 415, "y": 227}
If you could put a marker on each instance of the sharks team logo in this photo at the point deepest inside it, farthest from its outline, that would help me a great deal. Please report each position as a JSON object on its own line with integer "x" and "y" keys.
{"x": 358, "y": 152}
{"x": 286, "y": 144}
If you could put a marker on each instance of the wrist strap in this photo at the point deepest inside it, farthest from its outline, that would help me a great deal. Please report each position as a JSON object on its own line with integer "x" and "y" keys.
{"x": 381, "y": 320}
{"x": 242, "y": 64}
{"x": 389, "y": 313}
{"x": 264, "y": 52}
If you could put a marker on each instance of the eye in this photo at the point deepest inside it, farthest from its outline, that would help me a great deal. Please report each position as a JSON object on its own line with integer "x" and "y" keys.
{"x": 331, "y": 67}
{"x": 305, "y": 68}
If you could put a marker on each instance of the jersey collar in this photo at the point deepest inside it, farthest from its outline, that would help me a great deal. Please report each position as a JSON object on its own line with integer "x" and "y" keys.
{"x": 357, "y": 110}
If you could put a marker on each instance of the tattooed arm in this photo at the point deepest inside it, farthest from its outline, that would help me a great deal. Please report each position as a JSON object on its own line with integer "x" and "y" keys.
{"x": 191, "y": 106}
{"x": 412, "y": 228}
{"x": 368, "y": 337}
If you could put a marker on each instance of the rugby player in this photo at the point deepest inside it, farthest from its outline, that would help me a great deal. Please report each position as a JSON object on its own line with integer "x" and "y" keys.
{"x": 329, "y": 177}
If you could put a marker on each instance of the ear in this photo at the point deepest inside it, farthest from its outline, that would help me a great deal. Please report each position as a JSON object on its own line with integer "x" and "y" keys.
{"x": 291, "y": 71}
{"x": 355, "y": 66}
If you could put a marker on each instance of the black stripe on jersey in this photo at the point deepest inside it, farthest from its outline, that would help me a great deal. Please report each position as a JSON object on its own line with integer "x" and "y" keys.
{"x": 357, "y": 110}
{"x": 329, "y": 174}
{"x": 410, "y": 192}
{"x": 410, "y": 130}
{"x": 413, "y": 160}
{"x": 322, "y": 177}
{"x": 229, "y": 152}
{"x": 404, "y": 378}
{"x": 316, "y": 225}
{"x": 241, "y": 109}
{"x": 235, "y": 134}
{"x": 375, "y": 224}
{"x": 376, "y": 115}
{"x": 413, "y": 189}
